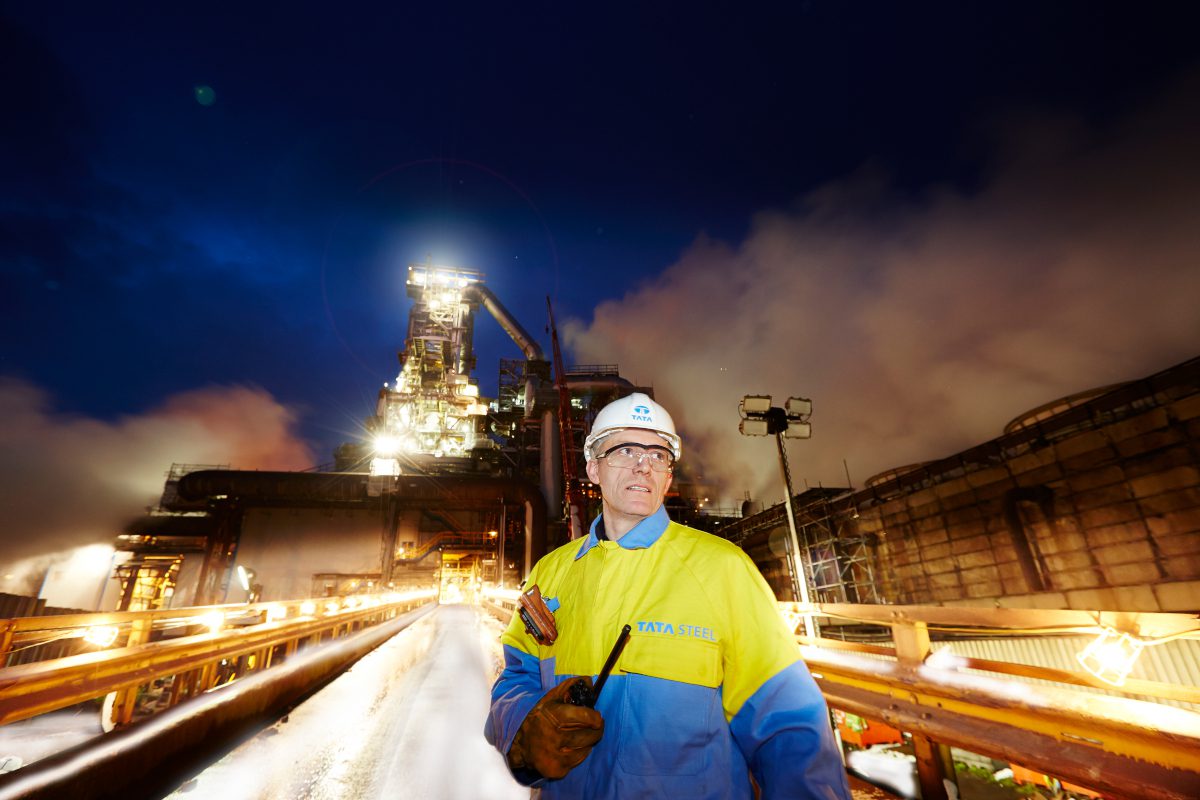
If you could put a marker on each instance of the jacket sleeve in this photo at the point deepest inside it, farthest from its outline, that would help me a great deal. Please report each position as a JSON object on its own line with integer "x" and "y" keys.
{"x": 514, "y": 695}
{"x": 516, "y": 691}
{"x": 776, "y": 713}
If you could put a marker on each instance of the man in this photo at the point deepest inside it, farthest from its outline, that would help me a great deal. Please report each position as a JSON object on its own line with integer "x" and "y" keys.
{"x": 710, "y": 687}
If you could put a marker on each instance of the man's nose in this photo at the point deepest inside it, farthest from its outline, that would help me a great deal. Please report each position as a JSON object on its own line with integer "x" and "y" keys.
{"x": 643, "y": 463}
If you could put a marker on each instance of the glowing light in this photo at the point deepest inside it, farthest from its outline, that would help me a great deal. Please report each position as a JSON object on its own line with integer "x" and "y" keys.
{"x": 386, "y": 445}
{"x": 385, "y": 466}
{"x": 100, "y": 635}
{"x": 502, "y": 594}
{"x": 308, "y": 608}
{"x": 276, "y": 613}
{"x": 332, "y": 607}
{"x": 214, "y": 621}
{"x": 245, "y": 576}
{"x": 1111, "y": 656}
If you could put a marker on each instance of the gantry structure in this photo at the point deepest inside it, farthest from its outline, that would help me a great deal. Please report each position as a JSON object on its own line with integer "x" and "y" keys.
{"x": 433, "y": 407}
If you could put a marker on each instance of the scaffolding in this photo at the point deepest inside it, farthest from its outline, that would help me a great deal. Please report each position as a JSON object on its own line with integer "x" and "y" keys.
{"x": 838, "y": 560}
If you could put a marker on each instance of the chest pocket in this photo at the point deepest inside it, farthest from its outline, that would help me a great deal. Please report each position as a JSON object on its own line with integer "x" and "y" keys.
{"x": 681, "y": 659}
{"x": 672, "y": 706}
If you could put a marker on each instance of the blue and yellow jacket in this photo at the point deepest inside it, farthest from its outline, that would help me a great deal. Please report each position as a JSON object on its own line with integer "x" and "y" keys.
{"x": 709, "y": 689}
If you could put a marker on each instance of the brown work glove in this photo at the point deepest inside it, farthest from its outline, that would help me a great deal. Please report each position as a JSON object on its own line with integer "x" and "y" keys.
{"x": 556, "y": 736}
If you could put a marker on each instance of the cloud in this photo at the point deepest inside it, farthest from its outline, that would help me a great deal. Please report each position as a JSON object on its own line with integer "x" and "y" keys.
{"x": 921, "y": 326}
{"x": 70, "y": 481}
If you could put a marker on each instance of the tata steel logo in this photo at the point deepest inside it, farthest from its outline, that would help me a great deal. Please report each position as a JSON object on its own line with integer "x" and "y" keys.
{"x": 642, "y": 414}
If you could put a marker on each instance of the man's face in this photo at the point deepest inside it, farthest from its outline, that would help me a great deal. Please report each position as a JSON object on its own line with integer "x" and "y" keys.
{"x": 630, "y": 493}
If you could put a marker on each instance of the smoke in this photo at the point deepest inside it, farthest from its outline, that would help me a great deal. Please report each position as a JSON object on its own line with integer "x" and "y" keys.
{"x": 71, "y": 481}
{"x": 921, "y": 326}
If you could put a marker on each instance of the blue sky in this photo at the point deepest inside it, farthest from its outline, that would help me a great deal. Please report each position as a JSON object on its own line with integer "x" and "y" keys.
{"x": 153, "y": 244}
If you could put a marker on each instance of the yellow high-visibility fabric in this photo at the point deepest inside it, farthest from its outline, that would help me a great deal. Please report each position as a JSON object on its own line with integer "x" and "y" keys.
{"x": 700, "y": 612}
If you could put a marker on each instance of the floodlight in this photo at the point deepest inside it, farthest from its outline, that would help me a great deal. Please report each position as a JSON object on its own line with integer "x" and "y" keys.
{"x": 1111, "y": 655}
{"x": 798, "y": 407}
{"x": 754, "y": 427}
{"x": 798, "y": 430}
{"x": 755, "y": 404}
{"x": 245, "y": 576}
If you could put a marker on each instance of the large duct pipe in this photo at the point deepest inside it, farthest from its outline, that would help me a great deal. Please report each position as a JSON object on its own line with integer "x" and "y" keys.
{"x": 479, "y": 292}
{"x": 528, "y": 345}
{"x": 594, "y": 382}
{"x": 551, "y": 469}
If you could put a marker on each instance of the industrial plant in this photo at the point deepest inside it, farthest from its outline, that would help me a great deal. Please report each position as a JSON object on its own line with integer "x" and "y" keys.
{"x": 1063, "y": 554}
{"x": 446, "y": 487}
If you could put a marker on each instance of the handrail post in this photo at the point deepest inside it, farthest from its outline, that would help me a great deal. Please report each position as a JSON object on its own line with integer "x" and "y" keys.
{"x": 912, "y": 647}
{"x": 126, "y": 700}
{"x": 6, "y": 640}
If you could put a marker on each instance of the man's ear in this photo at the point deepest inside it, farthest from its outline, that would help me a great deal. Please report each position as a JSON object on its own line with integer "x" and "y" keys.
{"x": 593, "y": 471}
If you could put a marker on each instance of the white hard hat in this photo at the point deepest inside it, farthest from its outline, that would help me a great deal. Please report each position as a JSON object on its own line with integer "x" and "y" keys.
{"x": 635, "y": 411}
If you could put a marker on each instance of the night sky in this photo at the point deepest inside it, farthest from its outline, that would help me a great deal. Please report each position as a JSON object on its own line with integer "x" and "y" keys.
{"x": 928, "y": 217}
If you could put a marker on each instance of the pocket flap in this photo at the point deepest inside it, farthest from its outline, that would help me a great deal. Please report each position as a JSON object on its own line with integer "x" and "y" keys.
{"x": 674, "y": 658}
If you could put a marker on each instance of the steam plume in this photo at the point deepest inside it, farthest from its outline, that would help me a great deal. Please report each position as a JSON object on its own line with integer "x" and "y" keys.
{"x": 921, "y": 326}
{"x": 70, "y": 481}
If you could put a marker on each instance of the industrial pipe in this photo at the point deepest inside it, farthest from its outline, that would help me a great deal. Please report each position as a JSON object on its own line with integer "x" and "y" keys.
{"x": 479, "y": 292}
{"x": 594, "y": 382}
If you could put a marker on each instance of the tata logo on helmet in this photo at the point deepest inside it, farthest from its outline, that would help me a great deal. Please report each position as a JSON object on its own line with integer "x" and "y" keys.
{"x": 642, "y": 414}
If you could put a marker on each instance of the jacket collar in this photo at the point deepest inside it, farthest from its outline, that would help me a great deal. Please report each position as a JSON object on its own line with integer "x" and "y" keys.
{"x": 640, "y": 536}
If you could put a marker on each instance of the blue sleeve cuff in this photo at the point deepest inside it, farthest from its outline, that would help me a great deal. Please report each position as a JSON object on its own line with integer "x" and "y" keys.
{"x": 514, "y": 695}
{"x": 786, "y": 736}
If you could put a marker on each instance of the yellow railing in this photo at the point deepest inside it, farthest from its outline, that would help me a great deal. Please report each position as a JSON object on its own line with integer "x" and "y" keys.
{"x": 198, "y": 647}
{"x": 1118, "y": 746}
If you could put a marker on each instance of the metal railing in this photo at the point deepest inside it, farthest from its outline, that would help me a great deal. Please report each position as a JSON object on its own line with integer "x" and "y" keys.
{"x": 1044, "y": 718}
{"x": 196, "y": 648}
{"x": 1032, "y": 716}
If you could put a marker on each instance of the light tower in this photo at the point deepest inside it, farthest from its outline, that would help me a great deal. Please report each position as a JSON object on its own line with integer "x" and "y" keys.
{"x": 760, "y": 418}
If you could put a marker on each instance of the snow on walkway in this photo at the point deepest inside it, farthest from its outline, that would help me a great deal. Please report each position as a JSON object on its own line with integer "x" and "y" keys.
{"x": 405, "y": 721}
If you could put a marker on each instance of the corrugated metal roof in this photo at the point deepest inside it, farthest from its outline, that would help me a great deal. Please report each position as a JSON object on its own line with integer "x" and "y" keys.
{"x": 1176, "y": 661}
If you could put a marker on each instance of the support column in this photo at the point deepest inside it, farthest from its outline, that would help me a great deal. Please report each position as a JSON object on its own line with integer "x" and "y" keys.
{"x": 933, "y": 759}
